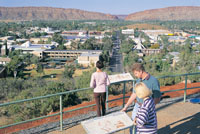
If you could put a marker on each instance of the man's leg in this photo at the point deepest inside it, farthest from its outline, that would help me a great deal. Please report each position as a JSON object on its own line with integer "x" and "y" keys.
{"x": 134, "y": 113}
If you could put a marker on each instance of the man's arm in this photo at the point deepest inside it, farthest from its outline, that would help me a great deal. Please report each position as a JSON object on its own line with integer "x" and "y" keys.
{"x": 130, "y": 101}
{"x": 156, "y": 100}
{"x": 156, "y": 92}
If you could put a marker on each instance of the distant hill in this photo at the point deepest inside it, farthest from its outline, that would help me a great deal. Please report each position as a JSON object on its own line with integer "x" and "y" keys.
{"x": 49, "y": 13}
{"x": 170, "y": 13}
{"x": 121, "y": 17}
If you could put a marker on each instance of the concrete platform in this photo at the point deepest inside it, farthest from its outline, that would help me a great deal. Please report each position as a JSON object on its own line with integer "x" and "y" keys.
{"x": 173, "y": 118}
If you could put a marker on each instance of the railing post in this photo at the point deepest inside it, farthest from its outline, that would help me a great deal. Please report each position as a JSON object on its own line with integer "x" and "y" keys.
{"x": 185, "y": 91}
{"x": 124, "y": 92}
{"x": 132, "y": 90}
{"x": 107, "y": 98}
{"x": 61, "y": 114}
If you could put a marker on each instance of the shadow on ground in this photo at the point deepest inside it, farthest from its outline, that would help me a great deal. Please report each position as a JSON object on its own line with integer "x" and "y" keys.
{"x": 191, "y": 125}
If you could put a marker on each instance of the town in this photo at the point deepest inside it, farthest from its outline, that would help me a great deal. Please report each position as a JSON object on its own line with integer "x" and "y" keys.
{"x": 47, "y": 47}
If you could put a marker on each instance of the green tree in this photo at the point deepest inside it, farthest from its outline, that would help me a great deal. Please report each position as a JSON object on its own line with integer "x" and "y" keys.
{"x": 69, "y": 71}
{"x": 155, "y": 46}
{"x": 40, "y": 68}
{"x": 34, "y": 60}
{"x": 6, "y": 47}
{"x": 14, "y": 66}
{"x": 58, "y": 38}
{"x": 88, "y": 44}
{"x": 127, "y": 46}
{"x": 129, "y": 59}
{"x": 136, "y": 33}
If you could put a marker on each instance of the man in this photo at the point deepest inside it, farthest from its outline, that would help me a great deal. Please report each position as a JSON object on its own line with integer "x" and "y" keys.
{"x": 150, "y": 81}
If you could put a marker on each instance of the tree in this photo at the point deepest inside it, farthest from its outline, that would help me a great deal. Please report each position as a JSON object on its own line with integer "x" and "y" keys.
{"x": 105, "y": 57}
{"x": 14, "y": 65}
{"x": 34, "y": 60}
{"x": 39, "y": 68}
{"x": 127, "y": 46}
{"x": 107, "y": 43}
{"x": 6, "y": 47}
{"x": 82, "y": 82}
{"x": 164, "y": 40}
{"x": 136, "y": 33}
{"x": 155, "y": 46}
{"x": 129, "y": 59}
{"x": 89, "y": 44}
{"x": 61, "y": 47}
{"x": 58, "y": 38}
{"x": 69, "y": 71}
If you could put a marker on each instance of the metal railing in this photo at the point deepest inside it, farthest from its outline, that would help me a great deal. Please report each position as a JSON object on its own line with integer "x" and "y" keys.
{"x": 84, "y": 89}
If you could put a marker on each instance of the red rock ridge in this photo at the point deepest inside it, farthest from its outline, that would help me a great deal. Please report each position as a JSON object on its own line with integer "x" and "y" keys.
{"x": 169, "y": 13}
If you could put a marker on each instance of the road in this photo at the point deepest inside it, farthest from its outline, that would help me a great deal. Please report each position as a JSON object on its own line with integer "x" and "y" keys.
{"x": 116, "y": 64}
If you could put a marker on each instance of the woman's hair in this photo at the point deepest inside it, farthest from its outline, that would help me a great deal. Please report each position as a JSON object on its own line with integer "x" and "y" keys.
{"x": 142, "y": 91}
{"x": 99, "y": 64}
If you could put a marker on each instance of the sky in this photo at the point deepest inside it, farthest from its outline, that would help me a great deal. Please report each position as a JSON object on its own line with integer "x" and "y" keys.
{"x": 115, "y": 7}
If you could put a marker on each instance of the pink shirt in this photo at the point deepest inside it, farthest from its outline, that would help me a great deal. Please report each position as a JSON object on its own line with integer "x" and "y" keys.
{"x": 99, "y": 81}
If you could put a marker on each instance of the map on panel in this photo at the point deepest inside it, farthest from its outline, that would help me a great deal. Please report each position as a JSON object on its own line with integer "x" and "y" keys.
{"x": 107, "y": 124}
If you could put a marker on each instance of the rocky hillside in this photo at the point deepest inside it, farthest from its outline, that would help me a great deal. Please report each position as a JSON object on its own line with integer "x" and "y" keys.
{"x": 48, "y": 13}
{"x": 169, "y": 13}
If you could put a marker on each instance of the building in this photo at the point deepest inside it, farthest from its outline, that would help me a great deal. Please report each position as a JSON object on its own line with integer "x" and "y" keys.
{"x": 154, "y": 34}
{"x": 177, "y": 39}
{"x": 157, "y": 32}
{"x": 75, "y": 32}
{"x": 4, "y": 60}
{"x": 88, "y": 59}
{"x": 141, "y": 50}
{"x": 3, "y": 50}
{"x": 6, "y": 38}
{"x": 67, "y": 54}
{"x": 21, "y": 40}
{"x": 128, "y": 31}
{"x": 151, "y": 51}
{"x": 37, "y": 40}
{"x": 139, "y": 45}
{"x": 36, "y": 49}
{"x": 175, "y": 57}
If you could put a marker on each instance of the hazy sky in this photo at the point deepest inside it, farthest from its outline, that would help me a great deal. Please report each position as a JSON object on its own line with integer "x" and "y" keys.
{"x": 104, "y": 6}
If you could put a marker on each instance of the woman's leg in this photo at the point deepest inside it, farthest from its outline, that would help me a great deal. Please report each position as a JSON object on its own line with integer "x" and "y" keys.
{"x": 103, "y": 103}
{"x": 97, "y": 100}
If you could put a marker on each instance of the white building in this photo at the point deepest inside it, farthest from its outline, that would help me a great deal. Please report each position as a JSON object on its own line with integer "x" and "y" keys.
{"x": 4, "y": 60}
{"x": 177, "y": 39}
{"x": 36, "y": 49}
{"x": 88, "y": 59}
{"x": 128, "y": 31}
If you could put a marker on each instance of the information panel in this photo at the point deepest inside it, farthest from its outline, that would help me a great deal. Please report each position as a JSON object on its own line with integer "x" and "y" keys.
{"x": 107, "y": 124}
{"x": 120, "y": 77}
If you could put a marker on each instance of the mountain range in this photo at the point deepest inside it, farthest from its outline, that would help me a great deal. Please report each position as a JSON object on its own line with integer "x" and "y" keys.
{"x": 164, "y": 14}
{"x": 49, "y": 13}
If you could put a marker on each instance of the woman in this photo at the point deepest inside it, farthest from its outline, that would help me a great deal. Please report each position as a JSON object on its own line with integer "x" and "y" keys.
{"x": 99, "y": 81}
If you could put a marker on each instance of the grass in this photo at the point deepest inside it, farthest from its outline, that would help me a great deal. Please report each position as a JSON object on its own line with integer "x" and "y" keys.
{"x": 79, "y": 72}
{"x": 46, "y": 74}
{"x": 57, "y": 73}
